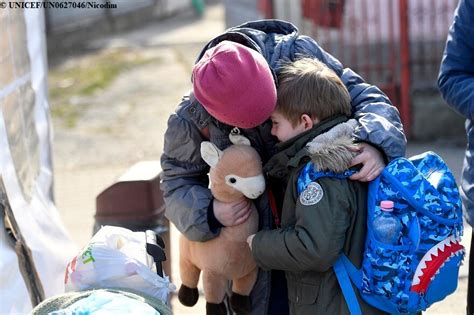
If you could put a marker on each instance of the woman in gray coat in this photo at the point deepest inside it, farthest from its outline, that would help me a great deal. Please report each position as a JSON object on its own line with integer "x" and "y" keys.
{"x": 189, "y": 204}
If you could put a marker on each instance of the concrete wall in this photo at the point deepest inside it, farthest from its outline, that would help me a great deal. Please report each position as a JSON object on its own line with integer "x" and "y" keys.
{"x": 432, "y": 119}
{"x": 240, "y": 11}
{"x": 68, "y": 28}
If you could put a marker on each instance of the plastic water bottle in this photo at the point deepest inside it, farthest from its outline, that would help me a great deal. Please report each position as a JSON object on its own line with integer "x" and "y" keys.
{"x": 387, "y": 227}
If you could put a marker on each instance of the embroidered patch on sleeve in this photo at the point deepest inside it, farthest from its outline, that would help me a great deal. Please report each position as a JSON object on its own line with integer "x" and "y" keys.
{"x": 311, "y": 195}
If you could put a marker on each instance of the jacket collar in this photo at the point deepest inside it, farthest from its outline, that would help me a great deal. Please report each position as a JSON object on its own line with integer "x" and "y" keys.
{"x": 295, "y": 151}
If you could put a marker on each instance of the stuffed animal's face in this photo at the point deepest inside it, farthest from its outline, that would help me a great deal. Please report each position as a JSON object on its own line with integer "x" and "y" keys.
{"x": 235, "y": 171}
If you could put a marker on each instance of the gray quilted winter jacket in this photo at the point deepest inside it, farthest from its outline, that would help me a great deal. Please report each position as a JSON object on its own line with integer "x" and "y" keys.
{"x": 184, "y": 177}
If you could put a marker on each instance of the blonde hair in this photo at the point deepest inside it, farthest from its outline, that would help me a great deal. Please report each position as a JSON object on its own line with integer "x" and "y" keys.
{"x": 307, "y": 86}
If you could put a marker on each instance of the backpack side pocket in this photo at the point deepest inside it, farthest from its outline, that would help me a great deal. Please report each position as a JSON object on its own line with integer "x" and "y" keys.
{"x": 385, "y": 270}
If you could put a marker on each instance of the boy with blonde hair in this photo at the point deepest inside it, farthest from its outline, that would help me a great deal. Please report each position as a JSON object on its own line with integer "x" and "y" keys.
{"x": 327, "y": 218}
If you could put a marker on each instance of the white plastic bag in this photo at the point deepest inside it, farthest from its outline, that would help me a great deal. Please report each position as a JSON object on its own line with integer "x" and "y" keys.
{"x": 116, "y": 258}
{"x": 107, "y": 303}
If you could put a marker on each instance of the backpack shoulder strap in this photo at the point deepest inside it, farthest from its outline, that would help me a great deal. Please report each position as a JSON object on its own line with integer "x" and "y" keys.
{"x": 346, "y": 286}
{"x": 309, "y": 174}
{"x": 343, "y": 268}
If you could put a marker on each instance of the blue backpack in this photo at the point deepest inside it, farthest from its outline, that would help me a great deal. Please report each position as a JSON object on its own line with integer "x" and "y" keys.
{"x": 423, "y": 267}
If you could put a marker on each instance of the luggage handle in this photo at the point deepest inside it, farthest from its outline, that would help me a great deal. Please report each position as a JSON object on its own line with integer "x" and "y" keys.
{"x": 155, "y": 248}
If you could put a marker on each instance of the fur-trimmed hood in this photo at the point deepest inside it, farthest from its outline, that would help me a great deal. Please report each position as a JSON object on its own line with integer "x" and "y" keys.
{"x": 327, "y": 144}
{"x": 330, "y": 151}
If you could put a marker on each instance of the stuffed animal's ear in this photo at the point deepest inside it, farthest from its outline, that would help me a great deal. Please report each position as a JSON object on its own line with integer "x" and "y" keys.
{"x": 239, "y": 139}
{"x": 210, "y": 153}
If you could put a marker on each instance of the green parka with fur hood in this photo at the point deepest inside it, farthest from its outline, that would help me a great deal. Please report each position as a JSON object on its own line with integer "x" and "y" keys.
{"x": 315, "y": 231}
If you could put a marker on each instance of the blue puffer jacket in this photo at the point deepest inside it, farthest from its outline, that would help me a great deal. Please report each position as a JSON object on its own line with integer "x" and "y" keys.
{"x": 456, "y": 82}
{"x": 184, "y": 176}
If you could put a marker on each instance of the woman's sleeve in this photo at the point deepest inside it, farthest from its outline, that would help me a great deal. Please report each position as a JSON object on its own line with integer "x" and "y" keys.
{"x": 184, "y": 178}
{"x": 456, "y": 77}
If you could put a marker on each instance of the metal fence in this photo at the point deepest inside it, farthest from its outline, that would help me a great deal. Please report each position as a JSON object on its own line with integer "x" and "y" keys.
{"x": 394, "y": 44}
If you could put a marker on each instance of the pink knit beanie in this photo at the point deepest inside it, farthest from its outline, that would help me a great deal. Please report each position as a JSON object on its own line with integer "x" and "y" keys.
{"x": 235, "y": 85}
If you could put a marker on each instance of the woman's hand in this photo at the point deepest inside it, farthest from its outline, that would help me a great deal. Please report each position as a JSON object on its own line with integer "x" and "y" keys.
{"x": 230, "y": 214}
{"x": 371, "y": 159}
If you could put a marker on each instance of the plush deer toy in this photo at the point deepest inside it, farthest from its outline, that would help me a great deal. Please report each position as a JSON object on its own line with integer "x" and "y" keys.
{"x": 235, "y": 173}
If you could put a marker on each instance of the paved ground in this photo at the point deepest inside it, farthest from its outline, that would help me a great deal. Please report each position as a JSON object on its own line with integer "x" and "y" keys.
{"x": 124, "y": 124}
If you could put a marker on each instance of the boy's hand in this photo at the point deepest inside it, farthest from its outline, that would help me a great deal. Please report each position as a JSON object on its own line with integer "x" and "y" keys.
{"x": 230, "y": 214}
{"x": 250, "y": 239}
{"x": 371, "y": 159}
